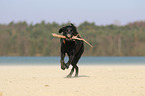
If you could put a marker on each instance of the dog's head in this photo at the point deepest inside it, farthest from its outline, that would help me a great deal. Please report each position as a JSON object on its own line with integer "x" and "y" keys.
{"x": 68, "y": 31}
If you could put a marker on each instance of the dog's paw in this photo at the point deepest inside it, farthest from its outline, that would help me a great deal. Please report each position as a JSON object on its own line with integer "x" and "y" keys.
{"x": 67, "y": 65}
{"x": 62, "y": 65}
{"x": 62, "y": 68}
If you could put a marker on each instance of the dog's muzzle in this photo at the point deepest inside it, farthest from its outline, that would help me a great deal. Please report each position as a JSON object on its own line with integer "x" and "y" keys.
{"x": 69, "y": 35}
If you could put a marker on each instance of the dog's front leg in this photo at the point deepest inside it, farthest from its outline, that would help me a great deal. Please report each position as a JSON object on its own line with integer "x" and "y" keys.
{"x": 62, "y": 61}
{"x": 71, "y": 57}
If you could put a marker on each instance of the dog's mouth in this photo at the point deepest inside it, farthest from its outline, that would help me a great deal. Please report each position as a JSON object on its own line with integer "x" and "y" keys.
{"x": 68, "y": 37}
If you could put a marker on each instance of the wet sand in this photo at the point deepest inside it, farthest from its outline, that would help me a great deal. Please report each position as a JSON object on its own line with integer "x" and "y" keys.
{"x": 92, "y": 81}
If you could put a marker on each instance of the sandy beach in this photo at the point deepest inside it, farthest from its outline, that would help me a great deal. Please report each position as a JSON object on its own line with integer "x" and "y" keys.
{"x": 92, "y": 81}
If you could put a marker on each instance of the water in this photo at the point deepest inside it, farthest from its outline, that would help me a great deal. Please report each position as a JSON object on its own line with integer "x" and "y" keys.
{"x": 83, "y": 61}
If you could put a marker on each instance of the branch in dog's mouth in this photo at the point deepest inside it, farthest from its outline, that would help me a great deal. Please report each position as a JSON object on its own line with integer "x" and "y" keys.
{"x": 74, "y": 37}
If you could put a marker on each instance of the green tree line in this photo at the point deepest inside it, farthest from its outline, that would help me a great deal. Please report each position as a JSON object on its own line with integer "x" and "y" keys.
{"x": 23, "y": 39}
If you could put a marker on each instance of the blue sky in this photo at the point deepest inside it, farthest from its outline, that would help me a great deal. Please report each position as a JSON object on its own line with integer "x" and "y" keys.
{"x": 102, "y": 12}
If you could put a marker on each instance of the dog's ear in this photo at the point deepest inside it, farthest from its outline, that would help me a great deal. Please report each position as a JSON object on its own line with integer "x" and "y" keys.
{"x": 73, "y": 25}
{"x": 75, "y": 29}
{"x": 61, "y": 30}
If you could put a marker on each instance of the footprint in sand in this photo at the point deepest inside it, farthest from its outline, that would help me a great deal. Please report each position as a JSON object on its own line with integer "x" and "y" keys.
{"x": 46, "y": 85}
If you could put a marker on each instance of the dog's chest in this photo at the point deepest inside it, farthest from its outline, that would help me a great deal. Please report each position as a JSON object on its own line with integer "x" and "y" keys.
{"x": 69, "y": 46}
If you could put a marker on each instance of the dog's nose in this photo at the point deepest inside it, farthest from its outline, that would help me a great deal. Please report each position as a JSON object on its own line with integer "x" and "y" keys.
{"x": 68, "y": 35}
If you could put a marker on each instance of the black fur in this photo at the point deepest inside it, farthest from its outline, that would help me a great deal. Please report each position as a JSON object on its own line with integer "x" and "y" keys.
{"x": 73, "y": 48}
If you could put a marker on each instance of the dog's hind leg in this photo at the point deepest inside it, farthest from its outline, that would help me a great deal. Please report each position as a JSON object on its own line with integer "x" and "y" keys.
{"x": 75, "y": 61}
{"x": 77, "y": 71}
{"x": 71, "y": 72}
{"x": 74, "y": 64}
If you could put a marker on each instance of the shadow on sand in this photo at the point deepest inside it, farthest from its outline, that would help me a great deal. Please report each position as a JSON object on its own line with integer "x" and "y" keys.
{"x": 80, "y": 76}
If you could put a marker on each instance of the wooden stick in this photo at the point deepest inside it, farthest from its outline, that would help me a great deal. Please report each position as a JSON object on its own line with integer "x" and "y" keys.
{"x": 59, "y": 36}
{"x": 74, "y": 37}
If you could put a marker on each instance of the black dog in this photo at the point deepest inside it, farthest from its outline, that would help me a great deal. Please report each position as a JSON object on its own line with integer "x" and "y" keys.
{"x": 73, "y": 48}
